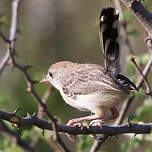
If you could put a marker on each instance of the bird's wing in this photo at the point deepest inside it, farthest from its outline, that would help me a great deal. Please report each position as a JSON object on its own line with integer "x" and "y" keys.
{"x": 87, "y": 79}
{"x": 109, "y": 36}
{"x": 126, "y": 83}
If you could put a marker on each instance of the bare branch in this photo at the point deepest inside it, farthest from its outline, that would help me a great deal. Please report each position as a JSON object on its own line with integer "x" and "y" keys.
{"x": 33, "y": 120}
{"x": 31, "y": 89}
{"x": 12, "y": 36}
{"x": 141, "y": 13}
{"x": 9, "y": 58}
{"x": 148, "y": 90}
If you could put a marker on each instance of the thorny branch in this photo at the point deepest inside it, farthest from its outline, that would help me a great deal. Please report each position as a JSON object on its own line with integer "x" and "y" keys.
{"x": 33, "y": 120}
{"x": 31, "y": 89}
{"x": 9, "y": 58}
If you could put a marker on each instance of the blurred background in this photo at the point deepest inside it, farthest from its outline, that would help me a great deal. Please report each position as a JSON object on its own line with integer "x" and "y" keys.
{"x": 50, "y": 31}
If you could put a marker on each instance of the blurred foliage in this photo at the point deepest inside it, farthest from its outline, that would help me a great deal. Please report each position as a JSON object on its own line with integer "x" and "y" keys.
{"x": 128, "y": 16}
{"x": 51, "y": 31}
{"x": 84, "y": 144}
{"x": 133, "y": 143}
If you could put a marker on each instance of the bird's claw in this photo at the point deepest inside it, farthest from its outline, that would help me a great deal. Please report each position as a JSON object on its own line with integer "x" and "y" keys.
{"x": 73, "y": 123}
{"x": 97, "y": 123}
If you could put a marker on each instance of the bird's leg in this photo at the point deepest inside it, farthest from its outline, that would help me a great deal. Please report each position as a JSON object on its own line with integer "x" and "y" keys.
{"x": 114, "y": 113}
{"x": 76, "y": 121}
{"x": 98, "y": 122}
{"x": 97, "y": 117}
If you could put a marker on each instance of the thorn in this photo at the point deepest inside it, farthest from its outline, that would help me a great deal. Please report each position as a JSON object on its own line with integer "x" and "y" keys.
{"x": 135, "y": 135}
{"x": 35, "y": 114}
{"x": 15, "y": 112}
{"x": 28, "y": 115}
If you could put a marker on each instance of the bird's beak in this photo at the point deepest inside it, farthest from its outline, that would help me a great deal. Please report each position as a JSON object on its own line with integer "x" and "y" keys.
{"x": 44, "y": 80}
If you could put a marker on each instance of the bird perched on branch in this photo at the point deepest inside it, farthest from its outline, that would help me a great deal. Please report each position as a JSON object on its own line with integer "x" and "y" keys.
{"x": 91, "y": 87}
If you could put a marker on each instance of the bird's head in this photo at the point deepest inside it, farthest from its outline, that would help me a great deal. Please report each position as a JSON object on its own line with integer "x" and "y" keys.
{"x": 56, "y": 73}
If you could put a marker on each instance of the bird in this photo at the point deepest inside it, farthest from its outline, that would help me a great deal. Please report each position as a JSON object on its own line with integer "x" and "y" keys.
{"x": 92, "y": 87}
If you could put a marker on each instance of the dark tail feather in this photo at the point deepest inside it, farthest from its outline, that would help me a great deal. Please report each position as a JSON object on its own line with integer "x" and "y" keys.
{"x": 109, "y": 33}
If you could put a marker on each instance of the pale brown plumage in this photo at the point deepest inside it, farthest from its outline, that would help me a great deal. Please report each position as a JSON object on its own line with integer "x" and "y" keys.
{"x": 86, "y": 87}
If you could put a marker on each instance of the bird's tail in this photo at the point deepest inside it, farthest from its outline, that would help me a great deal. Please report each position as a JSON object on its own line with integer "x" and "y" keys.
{"x": 109, "y": 36}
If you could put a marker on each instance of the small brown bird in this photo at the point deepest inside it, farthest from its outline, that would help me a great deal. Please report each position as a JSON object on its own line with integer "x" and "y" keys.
{"x": 90, "y": 87}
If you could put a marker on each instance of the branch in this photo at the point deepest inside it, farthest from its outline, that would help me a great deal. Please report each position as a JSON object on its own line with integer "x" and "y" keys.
{"x": 15, "y": 137}
{"x": 12, "y": 36}
{"x": 33, "y": 120}
{"x": 9, "y": 58}
{"x": 141, "y": 13}
{"x": 31, "y": 89}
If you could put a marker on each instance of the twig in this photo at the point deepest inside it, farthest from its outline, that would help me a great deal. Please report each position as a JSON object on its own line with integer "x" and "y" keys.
{"x": 15, "y": 137}
{"x": 12, "y": 35}
{"x": 148, "y": 90}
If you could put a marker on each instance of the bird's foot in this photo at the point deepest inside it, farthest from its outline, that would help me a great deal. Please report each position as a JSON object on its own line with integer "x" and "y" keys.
{"x": 73, "y": 123}
{"x": 96, "y": 122}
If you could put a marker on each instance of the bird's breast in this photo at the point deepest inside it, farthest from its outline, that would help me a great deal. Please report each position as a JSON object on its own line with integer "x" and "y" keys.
{"x": 91, "y": 102}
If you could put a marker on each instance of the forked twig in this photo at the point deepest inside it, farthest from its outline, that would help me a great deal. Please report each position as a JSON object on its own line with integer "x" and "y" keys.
{"x": 148, "y": 90}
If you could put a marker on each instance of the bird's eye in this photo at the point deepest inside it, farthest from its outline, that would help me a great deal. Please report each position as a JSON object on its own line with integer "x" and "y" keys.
{"x": 50, "y": 74}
